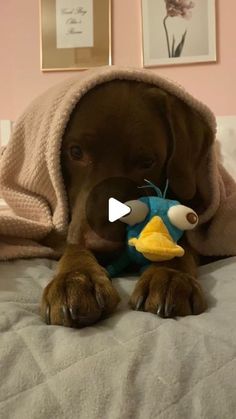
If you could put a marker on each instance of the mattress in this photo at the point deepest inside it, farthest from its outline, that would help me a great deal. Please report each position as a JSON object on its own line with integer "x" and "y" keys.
{"x": 131, "y": 365}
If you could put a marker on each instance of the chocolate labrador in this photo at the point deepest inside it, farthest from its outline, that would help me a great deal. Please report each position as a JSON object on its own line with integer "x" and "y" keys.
{"x": 135, "y": 131}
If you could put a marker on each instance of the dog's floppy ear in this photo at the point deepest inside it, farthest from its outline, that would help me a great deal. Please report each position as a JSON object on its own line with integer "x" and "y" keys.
{"x": 190, "y": 139}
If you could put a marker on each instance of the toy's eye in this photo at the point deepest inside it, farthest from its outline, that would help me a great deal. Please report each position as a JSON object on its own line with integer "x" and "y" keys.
{"x": 182, "y": 217}
{"x": 76, "y": 152}
{"x": 138, "y": 213}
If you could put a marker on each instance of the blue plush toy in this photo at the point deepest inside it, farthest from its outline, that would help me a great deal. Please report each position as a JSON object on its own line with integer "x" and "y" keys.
{"x": 155, "y": 224}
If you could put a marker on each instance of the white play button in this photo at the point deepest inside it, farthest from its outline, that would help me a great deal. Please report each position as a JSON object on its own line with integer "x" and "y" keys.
{"x": 117, "y": 210}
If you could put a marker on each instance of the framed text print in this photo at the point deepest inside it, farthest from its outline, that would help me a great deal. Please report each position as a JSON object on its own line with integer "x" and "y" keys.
{"x": 75, "y": 34}
{"x": 178, "y": 31}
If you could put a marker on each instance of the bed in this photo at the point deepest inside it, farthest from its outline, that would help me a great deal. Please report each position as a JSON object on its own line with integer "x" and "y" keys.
{"x": 131, "y": 365}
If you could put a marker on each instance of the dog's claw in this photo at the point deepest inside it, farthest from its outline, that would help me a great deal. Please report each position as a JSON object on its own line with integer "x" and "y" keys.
{"x": 65, "y": 314}
{"x": 160, "y": 311}
{"x": 139, "y": 303}
{"x": 48, "y": 321}
{"x": 169, "y": 310}
{"x": 100, "y": 300}
{"x": 74, "y": 313}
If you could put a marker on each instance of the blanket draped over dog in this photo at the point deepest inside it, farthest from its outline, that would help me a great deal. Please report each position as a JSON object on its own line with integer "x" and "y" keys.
{"x": 32, "y": 185}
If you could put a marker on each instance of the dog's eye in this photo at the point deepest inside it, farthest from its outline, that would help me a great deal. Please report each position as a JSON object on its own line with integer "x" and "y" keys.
{"x": 146, "y": 163}
{"x": 76, "y": 153}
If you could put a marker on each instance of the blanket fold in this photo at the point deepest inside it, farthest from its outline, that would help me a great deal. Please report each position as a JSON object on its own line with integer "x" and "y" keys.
{"x": 32, "y": 185}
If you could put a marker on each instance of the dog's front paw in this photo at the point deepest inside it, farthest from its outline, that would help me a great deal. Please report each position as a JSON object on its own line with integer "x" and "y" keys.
{"x": 77, "y": 299}
{"x": 168, "y": 293}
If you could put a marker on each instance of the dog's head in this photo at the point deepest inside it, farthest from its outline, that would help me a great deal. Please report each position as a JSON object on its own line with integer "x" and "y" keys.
{"x": 136, "y": 131}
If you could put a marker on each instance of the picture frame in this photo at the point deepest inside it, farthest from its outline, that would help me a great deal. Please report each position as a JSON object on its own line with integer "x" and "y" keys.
{"x": 74, "y": 34}
{"x": 171, "y": 34}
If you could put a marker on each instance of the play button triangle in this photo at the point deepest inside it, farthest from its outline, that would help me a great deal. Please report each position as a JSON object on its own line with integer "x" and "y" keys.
{"x": 117, "y": 210}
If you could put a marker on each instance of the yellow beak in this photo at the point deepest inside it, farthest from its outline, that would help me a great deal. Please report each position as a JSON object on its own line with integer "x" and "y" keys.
{"x": 155, "y": 242}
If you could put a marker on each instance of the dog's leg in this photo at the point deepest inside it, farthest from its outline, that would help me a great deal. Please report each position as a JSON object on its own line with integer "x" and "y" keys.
{"x": 170, "y": 289}
{"x": 80, "y": 293}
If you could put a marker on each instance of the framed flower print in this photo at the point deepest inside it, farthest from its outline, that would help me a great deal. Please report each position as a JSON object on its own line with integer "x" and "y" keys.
{"x": 178, "y": 31}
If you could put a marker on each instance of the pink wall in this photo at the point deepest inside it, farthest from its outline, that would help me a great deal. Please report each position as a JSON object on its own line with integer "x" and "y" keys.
{"x": 21, "y": 78}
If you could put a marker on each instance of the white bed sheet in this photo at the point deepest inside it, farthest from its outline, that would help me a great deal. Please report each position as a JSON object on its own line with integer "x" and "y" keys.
{"x": 132, "y": 365}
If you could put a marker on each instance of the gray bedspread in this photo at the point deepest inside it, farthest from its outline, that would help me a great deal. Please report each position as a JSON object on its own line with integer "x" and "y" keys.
{"x": 132, "y": 365}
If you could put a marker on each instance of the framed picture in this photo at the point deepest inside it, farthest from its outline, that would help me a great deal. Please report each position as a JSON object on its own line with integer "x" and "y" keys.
{"x": 178, "y": 31}
{"x": 75, "y": 34}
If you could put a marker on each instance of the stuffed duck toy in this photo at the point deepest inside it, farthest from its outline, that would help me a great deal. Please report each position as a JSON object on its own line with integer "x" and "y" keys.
{"x": 154, "y": 226}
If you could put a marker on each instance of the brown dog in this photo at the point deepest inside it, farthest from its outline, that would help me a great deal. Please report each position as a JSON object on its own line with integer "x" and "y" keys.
{"x": 137, "y": 131}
